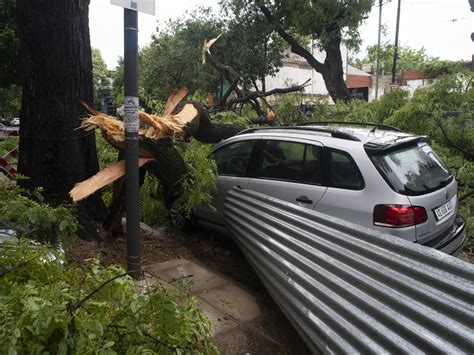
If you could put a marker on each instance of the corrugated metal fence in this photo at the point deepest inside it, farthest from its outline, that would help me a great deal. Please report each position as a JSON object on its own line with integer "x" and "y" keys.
{"x": 350, "y": 289}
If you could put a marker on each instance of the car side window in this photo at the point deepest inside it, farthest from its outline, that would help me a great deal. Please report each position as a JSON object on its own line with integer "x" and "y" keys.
{"x": 290, "y": 161}
{"x": 233, "y": 159}
{"x": 344, "y": 172}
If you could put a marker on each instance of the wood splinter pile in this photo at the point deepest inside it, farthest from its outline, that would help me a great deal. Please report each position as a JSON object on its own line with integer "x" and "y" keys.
{"x": 167, "y": 126}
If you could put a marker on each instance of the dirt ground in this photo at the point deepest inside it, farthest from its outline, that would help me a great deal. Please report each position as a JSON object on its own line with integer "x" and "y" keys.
{"x": 214, "y": 251}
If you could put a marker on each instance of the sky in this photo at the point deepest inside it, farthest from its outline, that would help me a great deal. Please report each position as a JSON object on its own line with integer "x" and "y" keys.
{"x": 442, "y": 27}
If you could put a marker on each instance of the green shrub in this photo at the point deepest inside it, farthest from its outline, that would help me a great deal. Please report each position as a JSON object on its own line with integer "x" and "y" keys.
{"x": 362, "y": 111}
{"x": 153, "y": 210}
{"x": 354, "y": 110}
{"x": 47, "y": 307}
{"x": 230, "y": 117}
{"x": 388, "y": 104}
{"x": 106, "y": 154}
{"x": 288, "y": 110}
{"x": 444, "y": 111}
{"x": 30, "y": 216}
{"x": 7, "y": 145}
{"x": 200, "y": 181}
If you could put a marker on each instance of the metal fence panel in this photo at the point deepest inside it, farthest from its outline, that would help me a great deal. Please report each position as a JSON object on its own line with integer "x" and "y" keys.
{"x": 351, "y": 289}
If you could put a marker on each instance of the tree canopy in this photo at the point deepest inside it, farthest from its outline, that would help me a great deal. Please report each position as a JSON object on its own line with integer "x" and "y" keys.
{"x": 256, "y": 48}
{"x": 10, "y": 60}
{"x": 173, "y": 58}
{"x": 326, "y": 21}
{"x": 247, "y": 43}
{"x": 101, "y": 76}
{"x": 408, "y": 59}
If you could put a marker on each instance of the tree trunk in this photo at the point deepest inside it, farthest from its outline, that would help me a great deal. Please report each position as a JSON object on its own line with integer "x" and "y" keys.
{"x": 331, "y": 70}
{"x": 55, "y": 45}
{"x": 333, "y": 73}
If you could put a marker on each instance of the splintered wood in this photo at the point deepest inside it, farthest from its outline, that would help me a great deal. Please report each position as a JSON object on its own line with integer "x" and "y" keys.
{"x": 167, "y": 126}
{"x": 105, "y": 176}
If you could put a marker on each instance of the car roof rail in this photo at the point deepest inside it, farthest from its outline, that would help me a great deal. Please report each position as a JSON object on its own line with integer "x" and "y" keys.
{"x": 375, "y": 125}
{"x": 335, "y": 134}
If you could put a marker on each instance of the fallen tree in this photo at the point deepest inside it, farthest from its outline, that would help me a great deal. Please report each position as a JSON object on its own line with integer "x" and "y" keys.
{"x": 158, "y": 135}
{"x": 158, "y": 153}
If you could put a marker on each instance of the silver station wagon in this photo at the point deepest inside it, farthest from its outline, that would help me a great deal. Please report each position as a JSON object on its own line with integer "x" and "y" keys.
{"x": 372, "y": 175}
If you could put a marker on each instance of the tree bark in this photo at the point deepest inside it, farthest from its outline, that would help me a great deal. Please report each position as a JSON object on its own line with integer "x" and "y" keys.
{"x": 205, "y": 131}
{"x": 333, "y": 73}
{"x": 55, "y": 45}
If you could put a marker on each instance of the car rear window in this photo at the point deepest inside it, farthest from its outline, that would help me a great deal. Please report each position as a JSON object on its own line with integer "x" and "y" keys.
{"x": 413, "y": 170}
{"x": 344, "y": 173}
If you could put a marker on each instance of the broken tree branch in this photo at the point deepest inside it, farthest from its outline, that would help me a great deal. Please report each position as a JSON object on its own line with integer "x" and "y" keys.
{"x": 260, "y": 94}
{"x": 104, "y": 177}
{"x": 467, "y": 154}
{"x": 234, "y": 77}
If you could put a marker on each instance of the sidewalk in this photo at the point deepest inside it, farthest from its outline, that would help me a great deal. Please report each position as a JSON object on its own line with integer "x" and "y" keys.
{"x": 238, "y": 323}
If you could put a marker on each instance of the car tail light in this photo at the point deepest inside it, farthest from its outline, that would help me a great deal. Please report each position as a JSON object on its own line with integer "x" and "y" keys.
{"x": 399, "y": 215}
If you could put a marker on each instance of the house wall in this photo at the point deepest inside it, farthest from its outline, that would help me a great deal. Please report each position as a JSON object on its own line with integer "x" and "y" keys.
{"x": 296, "y": 70}
{"x": 384, "y": 86}
{"x": 358, "y": 81}
{"x": 288, "y": 76}
{"x": 412, "y": 85}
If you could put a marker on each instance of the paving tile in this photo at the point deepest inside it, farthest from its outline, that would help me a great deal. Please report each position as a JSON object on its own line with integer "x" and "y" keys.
{"x": 202, "y": 278}
{"x": 156, "y": 268}
{"x": 220, "y": 322}
{"x": 232, "y": 300}
{"x": 243, "y": 340}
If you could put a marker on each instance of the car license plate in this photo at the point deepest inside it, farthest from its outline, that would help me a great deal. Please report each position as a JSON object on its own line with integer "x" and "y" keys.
{"x": 443, "y": 210}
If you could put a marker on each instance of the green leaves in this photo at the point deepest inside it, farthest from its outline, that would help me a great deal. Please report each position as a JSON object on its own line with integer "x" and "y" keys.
{"x": 408, "y": 59}
{"x": 48, "y": 307}
{"x": 326, "y": 20}
{"x": 101, "y": 76}
{"x": 200, "y": 182}
{"x": 31, "y": 217}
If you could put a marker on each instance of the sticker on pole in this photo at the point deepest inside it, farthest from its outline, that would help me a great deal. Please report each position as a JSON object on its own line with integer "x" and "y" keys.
{"x": 145, "y": 6}
{"x": 130, "y": 112}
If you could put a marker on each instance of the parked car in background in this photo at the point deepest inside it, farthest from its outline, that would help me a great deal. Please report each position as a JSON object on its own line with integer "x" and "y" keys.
{"x": 15, "y": 121}
{"x": 373, "y": 175}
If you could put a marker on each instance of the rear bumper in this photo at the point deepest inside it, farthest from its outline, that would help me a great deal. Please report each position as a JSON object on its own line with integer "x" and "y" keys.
{"x": 451, "y": 241}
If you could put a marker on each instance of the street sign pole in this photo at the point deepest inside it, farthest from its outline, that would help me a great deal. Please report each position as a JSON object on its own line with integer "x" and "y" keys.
{"x": 131, "y": 141}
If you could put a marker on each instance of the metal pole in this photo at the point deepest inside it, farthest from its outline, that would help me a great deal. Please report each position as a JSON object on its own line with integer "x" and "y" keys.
{"x": 131, "y": 141}
{"x": 395, "y": 49}
{"x": 377, "y": 66}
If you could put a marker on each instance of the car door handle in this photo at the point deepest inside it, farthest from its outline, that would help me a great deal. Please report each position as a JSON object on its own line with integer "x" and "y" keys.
{"x": 304, "y": 199}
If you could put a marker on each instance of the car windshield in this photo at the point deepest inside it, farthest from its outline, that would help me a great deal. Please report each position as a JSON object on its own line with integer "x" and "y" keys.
{"x": 413, "y": 170}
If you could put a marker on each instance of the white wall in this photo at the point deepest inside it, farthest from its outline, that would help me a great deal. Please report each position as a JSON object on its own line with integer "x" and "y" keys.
{"x": 288, "y": 76}
{"x": 296, "y": 71}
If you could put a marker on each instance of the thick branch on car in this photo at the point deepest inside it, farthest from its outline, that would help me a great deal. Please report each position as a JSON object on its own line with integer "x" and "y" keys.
{"x": 158, "y": 153}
